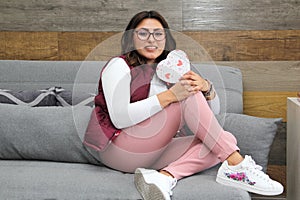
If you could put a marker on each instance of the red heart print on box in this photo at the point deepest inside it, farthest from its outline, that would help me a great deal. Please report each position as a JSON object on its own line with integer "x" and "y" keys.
{"x": 173, "y": 67}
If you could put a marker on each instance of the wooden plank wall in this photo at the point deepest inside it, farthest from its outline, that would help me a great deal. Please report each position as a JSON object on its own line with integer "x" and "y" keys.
{"x": 183, "y": 15}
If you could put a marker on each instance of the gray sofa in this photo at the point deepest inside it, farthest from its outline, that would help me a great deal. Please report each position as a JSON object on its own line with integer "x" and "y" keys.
{"x": 44, "y": 110}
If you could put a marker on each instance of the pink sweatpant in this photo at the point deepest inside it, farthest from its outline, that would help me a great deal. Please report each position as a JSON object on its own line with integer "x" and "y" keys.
{"x": 151, "y": 143}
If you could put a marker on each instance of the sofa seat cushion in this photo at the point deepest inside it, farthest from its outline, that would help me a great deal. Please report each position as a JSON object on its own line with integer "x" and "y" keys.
{"x": 44, "y": 133}
{"x": 52, "y": 180}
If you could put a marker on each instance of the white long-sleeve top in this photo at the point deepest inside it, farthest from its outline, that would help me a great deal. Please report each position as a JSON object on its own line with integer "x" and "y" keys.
{"x": 116, "y": 88}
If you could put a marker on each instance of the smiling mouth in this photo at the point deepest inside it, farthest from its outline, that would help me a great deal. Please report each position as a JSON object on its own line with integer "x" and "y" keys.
{"x": 150, "y": 48}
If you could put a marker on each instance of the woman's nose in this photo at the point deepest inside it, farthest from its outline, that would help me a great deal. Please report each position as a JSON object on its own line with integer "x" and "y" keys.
{"x": 151, "y": 38}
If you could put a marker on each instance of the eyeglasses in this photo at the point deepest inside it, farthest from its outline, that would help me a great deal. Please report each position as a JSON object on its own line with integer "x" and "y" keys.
{"x": 144, "y": 34}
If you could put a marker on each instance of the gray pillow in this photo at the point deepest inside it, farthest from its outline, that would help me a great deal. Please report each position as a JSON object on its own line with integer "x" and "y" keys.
{"x": 255, "y": 135}
{"x": 44, "y": 133}
{"x": 44, "y": 97}
{"x": 228, "y": 82}
{"x": 67, "y": 98}
{"x": 53, "y": 96}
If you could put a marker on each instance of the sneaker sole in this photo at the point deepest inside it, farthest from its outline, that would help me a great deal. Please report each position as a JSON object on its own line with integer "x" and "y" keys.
{"x": 235, "y": 184}
{"x": 148, "y": 191}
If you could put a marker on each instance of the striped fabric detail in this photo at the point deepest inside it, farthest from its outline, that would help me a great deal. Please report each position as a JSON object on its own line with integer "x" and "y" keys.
{"x": 65, "y": 98}
{"x": 28, "y": 97}
{"x": 47, "y": 97}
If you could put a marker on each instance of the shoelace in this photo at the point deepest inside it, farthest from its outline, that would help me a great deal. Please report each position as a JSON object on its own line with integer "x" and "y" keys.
{"x": 252, "y": 166}
{"x": 173, "y": 183}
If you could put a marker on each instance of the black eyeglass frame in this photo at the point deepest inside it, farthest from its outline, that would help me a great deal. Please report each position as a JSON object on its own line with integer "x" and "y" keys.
{"x": 155, "y": 31}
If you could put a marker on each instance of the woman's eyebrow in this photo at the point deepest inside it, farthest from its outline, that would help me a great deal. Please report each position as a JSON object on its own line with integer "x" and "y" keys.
{"x": 156, "y": 29}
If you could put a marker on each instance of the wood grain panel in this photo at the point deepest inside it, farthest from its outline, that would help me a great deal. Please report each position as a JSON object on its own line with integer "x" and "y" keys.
{"x": 240, "y": 15}
{"x": 78, "y": 45}
{"x": 278, "y": 172}
{"x": 221, "y": 46}
{"x": 249, "y": 45}
{"x": 266, "y": 104}
{"x": 268, "y": 75}
{"x": 2, "y": 45}
{"x": 29, "y": 45}
{"x": 74, "y": 15}
{"x": 103, "y": 15}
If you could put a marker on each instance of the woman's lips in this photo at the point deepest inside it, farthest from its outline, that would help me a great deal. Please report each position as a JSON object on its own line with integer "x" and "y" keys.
{"x": 150, "y": 48}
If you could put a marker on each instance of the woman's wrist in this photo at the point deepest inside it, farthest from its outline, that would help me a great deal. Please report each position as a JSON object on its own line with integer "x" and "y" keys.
{"x": 210, "y": 93}
{"x": 211, "y": 96}
{"x": 166, "y": 98}
{"x": 207, "y": 88}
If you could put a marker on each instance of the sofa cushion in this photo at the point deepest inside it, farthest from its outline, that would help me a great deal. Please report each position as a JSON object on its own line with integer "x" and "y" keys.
{"x": 69, "y": 181}
{"x": 83, "y": 76}
{"x": 20, "y": 75}
{"x": 28, "y": 75}
{"x": 255, "y": 135}
{"x": 228, "y": 82}
{"x": 44, "y": 133}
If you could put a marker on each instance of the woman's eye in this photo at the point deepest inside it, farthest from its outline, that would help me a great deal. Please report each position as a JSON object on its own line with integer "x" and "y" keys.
{"x": 143, "y": 34}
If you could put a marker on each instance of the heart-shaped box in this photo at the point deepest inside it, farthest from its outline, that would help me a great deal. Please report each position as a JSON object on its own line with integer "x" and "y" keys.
{"x": 173, "y": 67}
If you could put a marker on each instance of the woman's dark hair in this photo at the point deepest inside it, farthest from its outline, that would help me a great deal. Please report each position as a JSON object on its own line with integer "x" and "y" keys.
{"x": 132, "y": 56}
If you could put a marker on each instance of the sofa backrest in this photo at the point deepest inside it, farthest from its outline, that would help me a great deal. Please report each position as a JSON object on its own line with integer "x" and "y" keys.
{"x": 83, "y": 76}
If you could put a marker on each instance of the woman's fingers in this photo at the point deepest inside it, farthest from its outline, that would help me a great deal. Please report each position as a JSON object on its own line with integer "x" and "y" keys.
{"x": 190, "y": 75}
{"x": 195, "y": 81}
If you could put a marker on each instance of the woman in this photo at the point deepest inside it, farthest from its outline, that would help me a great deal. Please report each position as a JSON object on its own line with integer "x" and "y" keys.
{"x": 142, "y": 114}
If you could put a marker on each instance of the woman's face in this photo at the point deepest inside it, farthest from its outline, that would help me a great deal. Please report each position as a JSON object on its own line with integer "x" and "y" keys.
{"x": 150, "y": 46}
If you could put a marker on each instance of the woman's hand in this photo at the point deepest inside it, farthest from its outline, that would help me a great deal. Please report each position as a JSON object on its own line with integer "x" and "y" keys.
{"x": 182, "y": 90}
{"x": 189, "y": 84}
{"x": 178, "y": 92}
{"x": 195, "y": 81}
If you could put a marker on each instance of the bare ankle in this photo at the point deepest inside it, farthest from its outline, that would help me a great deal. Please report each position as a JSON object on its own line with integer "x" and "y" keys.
{"x": 235, "y": 158}
{"x": 164, "y": 172}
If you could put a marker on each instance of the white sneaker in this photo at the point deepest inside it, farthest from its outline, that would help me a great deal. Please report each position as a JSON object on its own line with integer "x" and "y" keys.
{"x": 248, "y": 176}
{"x": 153, "y": 185}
